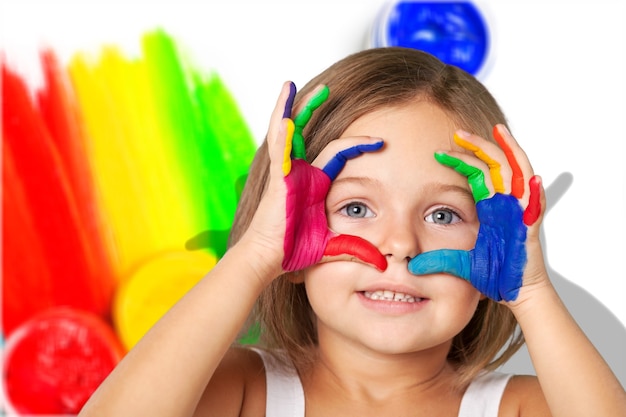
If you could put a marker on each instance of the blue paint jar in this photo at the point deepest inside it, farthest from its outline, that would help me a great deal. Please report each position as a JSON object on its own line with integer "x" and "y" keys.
{"x": 456, "y": 32}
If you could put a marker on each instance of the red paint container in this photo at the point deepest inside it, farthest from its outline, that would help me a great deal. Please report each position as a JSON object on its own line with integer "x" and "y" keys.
{"x": 54, "y": 362}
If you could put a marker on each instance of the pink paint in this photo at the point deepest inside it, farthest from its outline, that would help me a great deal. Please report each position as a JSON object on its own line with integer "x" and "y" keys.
{"x": 307, "y": 232}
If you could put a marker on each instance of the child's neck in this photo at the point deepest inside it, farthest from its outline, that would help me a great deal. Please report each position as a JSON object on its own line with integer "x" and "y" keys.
{"x": 375, "y": 380}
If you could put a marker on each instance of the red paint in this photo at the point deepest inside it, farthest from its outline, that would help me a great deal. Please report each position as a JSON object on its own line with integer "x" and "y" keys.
{"x": 517, "y": 180}
{"x": 354, "y": 248}
{"x": 55, "y": 361}
{"x": 52, "y": 255}
{"x": 533, "y": 211}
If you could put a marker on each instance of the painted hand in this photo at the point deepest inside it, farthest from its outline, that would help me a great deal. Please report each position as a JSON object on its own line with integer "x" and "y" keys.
{"x": 308, "y": 240}
{"x": 496, "y": 264}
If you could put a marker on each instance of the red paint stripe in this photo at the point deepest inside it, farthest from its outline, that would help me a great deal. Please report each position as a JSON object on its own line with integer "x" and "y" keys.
{"x": 354, "y": 247}
{"x": 45, "y": 216}
{"x": 517, "y": 180}
{"x": 533, "y": 211}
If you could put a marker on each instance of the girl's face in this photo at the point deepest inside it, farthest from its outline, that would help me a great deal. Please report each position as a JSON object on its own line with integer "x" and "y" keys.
{"x": 405, "y": 203}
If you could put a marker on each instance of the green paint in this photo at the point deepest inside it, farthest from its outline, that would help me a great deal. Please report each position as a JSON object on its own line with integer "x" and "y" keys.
{"x": 208, "y": 135}
{"x": 475, "y": 177}
{"x": 298, "y": 150}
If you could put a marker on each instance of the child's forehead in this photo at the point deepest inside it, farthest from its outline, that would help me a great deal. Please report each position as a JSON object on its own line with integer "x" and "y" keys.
{"x": 417, "y": 106}
{"x": 412, "y": 134}
{"x": 416, "y": 123}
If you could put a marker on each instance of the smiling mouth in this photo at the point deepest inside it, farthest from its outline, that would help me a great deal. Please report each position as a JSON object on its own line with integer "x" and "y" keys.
{"x": 388, "y": 295}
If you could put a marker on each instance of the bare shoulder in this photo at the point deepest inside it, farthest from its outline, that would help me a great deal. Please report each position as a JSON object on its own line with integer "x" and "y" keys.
{"x": 523, "y": 397}
{"x": 237, "y": 387}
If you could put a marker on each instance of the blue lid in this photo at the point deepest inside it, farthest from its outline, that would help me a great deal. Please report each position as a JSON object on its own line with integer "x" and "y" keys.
{"x": 455, "y": 32}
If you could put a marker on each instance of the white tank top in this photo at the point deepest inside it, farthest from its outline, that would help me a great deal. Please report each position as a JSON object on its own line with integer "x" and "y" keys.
{"x": 285, "y": 396}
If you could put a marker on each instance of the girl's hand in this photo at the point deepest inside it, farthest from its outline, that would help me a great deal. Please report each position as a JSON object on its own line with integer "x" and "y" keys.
{"x": 497, "y": 264}
{"x": 302, "y": 188}
{"x": 308, "y": 240}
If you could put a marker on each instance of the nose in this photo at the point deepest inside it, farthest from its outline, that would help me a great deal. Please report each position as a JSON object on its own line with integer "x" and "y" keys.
{"x": 400, "y": 239}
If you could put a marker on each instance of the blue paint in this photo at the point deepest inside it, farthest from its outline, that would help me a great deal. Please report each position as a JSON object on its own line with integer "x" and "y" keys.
{"x": 335, "y": 165}
{"x": 496, "y": 264}
{"x": 453, "y": 31}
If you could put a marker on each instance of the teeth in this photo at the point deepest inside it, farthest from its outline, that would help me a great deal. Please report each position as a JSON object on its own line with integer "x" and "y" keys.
{"x": 387, "y": 295}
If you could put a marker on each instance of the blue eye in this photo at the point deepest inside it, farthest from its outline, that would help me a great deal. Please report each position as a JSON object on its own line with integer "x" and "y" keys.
{"x": 357, "y": 210}
{"x": 443, "y": 216}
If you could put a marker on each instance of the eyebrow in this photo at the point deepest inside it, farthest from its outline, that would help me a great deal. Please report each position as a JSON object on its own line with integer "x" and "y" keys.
{"x": 453, "y": 188}
{"x": 360, "y": 180}
{"x": 431, "y": 187}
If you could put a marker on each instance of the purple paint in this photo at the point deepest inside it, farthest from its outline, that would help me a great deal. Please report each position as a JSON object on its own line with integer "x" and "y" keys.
{"x": 289, "y": 103}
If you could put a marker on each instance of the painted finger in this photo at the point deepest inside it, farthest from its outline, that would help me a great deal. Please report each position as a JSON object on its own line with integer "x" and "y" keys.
{"x": 336, "y": 146}
{"x": 335, "y": 165}
{"x": 460, "y": 138}
{"x": 535, "y": 206}
{"x": 503, "y": 137}
{"x": 303, "y": 97}
{"x": 287, "y": 130}
{"x": 447, "y": 261}
{"x": 279, "y": 136}
{"x": 289, "y": 102}
{"x": 475, "y": 176}
{"x": 303, "y": 117}
{"x": 354, "y": 248}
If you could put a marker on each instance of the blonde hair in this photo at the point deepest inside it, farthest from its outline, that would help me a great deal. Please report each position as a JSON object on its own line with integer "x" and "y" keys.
{"x": 360, "y": 83}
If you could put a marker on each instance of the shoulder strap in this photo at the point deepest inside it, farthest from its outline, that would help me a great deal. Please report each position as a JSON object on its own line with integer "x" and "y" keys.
{"x": 482, "y": 397}
{"x": 285, "y": 396}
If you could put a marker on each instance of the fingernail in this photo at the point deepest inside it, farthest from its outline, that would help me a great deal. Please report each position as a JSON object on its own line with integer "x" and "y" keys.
{"x": 464, "y": 134}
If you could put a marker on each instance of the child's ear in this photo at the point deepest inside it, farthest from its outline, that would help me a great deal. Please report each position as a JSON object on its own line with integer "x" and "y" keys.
{"x": 296, "y": 277}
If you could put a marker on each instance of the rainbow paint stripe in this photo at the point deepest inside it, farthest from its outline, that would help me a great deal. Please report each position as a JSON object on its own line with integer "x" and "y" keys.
{"x": 117, "y": 161}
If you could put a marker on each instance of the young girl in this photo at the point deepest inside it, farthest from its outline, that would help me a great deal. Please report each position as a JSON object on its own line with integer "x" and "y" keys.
{"x": 388, "y": 261}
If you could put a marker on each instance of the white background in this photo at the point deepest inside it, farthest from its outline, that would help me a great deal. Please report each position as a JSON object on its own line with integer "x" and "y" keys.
{"x": 557, "y": 68}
